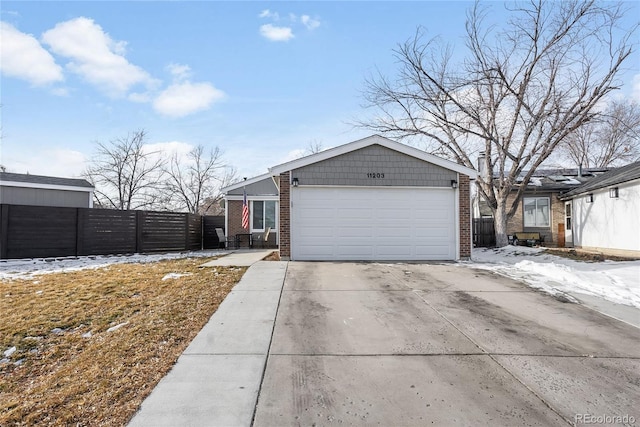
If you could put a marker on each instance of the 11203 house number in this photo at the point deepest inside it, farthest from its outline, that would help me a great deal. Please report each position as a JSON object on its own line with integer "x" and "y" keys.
{"x": 375, "y": 175}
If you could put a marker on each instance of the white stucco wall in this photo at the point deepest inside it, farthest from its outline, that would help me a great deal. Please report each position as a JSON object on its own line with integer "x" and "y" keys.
{"x": 608, "y": 223}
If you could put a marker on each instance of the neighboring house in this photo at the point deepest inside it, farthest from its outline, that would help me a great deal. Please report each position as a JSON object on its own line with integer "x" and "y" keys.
{"x": 36, "y": 190}
{"x": 372, "y": 199}
{"x": 263, "y": 201}
{"x": 541, "y": 209}
{"x": 604, "y": 213}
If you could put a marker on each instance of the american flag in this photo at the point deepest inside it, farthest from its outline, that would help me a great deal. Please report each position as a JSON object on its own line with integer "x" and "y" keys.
{"x": 245, "y": 211}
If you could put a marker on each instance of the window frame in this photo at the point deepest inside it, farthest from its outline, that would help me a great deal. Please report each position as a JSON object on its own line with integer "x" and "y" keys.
{"x": 524, "y": 217}
{"x": 264, "y": 208}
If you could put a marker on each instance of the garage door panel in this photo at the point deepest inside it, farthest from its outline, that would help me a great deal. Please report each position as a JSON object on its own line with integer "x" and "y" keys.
{"x": 317, "y": 250}
{"x": 372, "y": 223}
{"x": 389, "y": 233}
{"x": 393, "y": 214}
{"x": 431, "y": 233}
{"x": 357, "y": 251}
{"x": 390, "y": 250}
{"x": 355, "y": 213}
{"x": 354, "y": 232}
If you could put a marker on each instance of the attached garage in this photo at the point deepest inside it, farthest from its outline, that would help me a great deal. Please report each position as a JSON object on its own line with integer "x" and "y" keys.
{"x": 372, "y": 223}
{"x": 374, "y": 199}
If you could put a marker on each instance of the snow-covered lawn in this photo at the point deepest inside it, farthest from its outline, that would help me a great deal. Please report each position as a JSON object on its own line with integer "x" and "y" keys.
{"x": 615, "y": 281}
{"x": 31, "y": 268}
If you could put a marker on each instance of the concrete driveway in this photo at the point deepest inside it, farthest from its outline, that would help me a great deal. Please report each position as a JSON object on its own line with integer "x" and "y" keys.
{"x": 422, "y": 344}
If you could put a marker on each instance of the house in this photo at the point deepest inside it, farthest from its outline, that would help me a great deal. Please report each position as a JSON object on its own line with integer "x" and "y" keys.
{"x": 371, "y": 199}
{"x": 604, "y": 213}
{"x": 36, "y": 190}
{"x": 541, "y": 209}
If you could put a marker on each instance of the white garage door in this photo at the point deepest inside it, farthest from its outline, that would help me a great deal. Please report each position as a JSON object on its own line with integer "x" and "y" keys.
{"x": 338, "y": 223}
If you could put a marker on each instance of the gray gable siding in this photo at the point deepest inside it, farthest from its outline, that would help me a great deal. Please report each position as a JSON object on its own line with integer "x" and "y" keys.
{"x": 395, "y": 169}
{"x": 266, "y": 187}
{"x": 44, "y": 197}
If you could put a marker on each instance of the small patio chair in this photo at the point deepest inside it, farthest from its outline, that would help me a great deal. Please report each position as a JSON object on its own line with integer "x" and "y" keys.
{"x": 224, "y": 241}
{"x": 264, "y": 239}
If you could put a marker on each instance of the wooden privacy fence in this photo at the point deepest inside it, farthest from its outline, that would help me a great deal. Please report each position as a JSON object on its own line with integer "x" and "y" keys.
{"x": 484, "y": 234}
{"x": 42, "y": 231}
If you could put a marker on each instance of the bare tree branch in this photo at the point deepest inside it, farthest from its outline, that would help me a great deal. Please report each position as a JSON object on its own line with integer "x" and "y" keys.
{"x": 196, "y": 180}
{"x": 518, "y": 94}
{"x": 125, "y": 175}
{"x": 611, "y": 139}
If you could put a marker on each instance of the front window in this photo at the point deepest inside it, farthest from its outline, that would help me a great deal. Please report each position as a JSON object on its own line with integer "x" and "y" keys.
{"x": 264, "y": 215}
{"x": 536, "y": 212}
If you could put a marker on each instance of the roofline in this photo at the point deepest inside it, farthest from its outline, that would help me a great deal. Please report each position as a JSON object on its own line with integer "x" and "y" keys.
{"x": 246, "y": 182}
{"x": 573, "y": 193}
{"x": 366, "y": 142}
{"x": 46, "y": 186}
{"x": 252, "y": 197}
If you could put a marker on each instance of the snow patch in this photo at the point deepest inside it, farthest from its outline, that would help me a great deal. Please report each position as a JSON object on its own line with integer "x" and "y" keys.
{"x": 10, "y": 351}
{"x": 115, "y": 328}
{"x": 29, "y": 269}
{"x": 175, "y": 276}
{"x": 614, "y": 281}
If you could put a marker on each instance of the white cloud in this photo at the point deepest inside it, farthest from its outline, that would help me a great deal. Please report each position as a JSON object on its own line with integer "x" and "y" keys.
{"x": 184, "y": 98}
{"x": 140, "y": 97}
{"x": 309, "y": 22}
{"x": 95, "y": 56}
{"x": 276, "y": 34}
{"x": 179, "y": 71}
{"x": 268, "y": 14}
{"x": 23, "y": 57}
{"x": 59, "y": 162}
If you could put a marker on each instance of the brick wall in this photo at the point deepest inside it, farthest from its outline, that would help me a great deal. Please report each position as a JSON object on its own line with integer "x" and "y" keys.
{"x": 234, "y": 208}
{"x": 516, "y": 223}
{"x": 284, "y": 227}
{"x": 464, "y": 202}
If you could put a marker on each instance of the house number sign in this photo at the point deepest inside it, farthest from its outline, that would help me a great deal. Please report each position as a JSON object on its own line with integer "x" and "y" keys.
{"x": 375, "y": 175}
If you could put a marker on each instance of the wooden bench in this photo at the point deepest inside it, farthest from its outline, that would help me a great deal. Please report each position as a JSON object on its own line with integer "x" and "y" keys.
{"x": 527, "y": 238}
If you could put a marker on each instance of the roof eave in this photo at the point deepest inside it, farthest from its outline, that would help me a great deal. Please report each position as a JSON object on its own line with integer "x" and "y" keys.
{"x": 246, "y": 182}
{"x": 366, "y": 142}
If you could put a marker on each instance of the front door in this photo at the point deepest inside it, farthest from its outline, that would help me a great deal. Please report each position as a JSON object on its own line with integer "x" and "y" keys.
{"x": 568, "y": 224}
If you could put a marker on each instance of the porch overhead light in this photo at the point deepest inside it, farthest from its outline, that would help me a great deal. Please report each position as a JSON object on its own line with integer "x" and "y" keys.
{"x": 590, "y": 198}
{"x": 613, "y": 192}
{"x": 295, "y": 182}
{"x": 454, "y": 183}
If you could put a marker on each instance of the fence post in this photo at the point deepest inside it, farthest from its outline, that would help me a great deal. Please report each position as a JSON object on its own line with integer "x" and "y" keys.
{"x": 4, "y": 230}
{"x": 201, "y": 232}
{"x": 186, "y": 231}
{"x": 80, "y": 221}
{"x": 139, "y": 228}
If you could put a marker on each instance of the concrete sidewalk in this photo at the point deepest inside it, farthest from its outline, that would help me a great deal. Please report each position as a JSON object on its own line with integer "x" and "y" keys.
{"x": 217, "y": 379}
{"x": 240, "y": 258}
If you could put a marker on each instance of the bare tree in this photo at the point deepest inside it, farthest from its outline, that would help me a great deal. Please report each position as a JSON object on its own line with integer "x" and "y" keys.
{"x": 518, "y": 93}
{"x": 196, "y": 179}
{"x": 125, "y": 174}
{"x": 314, "y": 146}
{"x": 212, "y": 204}
{"x": 612, "y": 139}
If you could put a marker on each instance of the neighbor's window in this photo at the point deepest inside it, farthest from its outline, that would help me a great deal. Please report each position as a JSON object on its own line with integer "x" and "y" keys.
{"x": 264, "y": 215}
{"x": 536, "y": 212}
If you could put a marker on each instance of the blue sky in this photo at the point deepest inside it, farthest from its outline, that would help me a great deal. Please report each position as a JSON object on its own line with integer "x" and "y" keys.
{"x": 260, "y": 80}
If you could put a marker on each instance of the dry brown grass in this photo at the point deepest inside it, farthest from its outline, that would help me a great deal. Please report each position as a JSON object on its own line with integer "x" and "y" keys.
{"x": 66, "y": 378}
